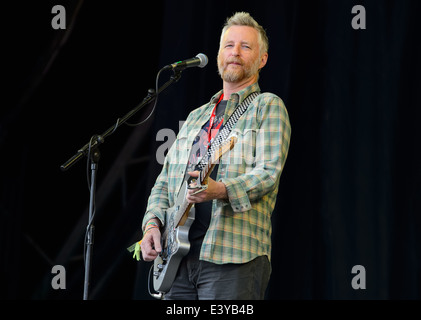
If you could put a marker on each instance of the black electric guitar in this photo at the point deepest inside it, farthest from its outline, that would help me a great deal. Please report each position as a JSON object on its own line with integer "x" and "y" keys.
{"x": 180, "y": 217}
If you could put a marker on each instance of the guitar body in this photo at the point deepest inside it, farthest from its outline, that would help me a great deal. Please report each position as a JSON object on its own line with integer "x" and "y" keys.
{"x": 175, "y": 245}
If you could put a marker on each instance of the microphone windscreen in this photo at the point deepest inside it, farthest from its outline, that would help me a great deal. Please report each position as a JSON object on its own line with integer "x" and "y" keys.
{"x": 203, "y": 60}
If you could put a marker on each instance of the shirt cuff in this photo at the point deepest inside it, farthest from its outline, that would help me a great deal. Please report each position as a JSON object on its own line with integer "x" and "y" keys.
{"x": 237, "y": 195}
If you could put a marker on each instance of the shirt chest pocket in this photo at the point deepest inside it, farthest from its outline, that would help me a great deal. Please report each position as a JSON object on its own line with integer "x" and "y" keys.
{"x": 243, "y": 154}
{"x": 182, "y": 148}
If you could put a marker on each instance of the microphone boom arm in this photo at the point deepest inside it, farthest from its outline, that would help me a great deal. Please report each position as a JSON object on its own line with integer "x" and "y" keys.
{"x": 96, "y": 140}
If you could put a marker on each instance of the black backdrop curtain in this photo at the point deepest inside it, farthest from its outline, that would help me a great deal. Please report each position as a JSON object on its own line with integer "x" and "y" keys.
{"x": 350, "y": 193}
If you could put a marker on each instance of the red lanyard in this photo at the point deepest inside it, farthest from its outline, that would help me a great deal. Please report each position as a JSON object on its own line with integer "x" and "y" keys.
{"x": 212, "y": 119}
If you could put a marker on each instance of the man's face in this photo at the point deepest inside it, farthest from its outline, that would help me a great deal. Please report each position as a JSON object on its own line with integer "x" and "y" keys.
{"x": 239, "y": 54}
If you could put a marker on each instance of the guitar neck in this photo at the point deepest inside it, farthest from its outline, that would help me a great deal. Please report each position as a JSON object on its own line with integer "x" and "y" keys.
{"x": 185, "y": 207}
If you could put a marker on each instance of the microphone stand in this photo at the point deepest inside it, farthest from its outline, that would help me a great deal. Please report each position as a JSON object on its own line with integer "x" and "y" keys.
{"x": 91, "y": 149}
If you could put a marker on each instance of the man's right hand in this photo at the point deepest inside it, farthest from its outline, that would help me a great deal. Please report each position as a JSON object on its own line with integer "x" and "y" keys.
{"x": 151, "y": 244}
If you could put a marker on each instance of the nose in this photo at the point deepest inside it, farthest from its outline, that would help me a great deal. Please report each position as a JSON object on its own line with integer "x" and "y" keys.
{"x": 235, "y": 50}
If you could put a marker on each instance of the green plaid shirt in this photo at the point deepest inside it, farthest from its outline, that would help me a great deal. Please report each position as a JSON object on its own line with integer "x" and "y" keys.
{"x": 240, "y": 228}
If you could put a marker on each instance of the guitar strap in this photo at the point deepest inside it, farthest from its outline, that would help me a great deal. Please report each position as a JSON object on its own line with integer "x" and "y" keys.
{"x": 226, "y": 130}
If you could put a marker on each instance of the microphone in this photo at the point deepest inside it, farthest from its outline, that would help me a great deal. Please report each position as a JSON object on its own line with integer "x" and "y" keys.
{"x": 200, "y": 61}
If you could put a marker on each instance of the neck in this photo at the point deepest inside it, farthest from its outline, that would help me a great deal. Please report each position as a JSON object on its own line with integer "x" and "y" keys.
{"x": 233, "y": 87}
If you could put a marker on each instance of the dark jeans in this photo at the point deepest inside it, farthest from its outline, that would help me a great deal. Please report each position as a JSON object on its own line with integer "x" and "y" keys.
{"x": 202, "y": 280}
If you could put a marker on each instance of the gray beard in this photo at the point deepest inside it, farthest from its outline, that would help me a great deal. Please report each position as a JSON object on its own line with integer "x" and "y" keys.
{"x": 233, "y": 76}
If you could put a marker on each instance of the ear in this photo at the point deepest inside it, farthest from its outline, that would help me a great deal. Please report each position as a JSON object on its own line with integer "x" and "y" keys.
{"x": 263, "y": 60}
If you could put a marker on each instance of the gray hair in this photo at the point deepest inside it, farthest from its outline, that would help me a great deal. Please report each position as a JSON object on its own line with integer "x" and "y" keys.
{"x": 245, "y": 19}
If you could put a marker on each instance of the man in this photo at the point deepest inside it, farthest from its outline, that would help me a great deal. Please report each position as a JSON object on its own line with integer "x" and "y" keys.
{"x": 230, "y": 239}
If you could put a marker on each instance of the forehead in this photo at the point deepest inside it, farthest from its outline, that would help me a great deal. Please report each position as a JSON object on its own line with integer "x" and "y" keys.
{"x": 240, "y": 33}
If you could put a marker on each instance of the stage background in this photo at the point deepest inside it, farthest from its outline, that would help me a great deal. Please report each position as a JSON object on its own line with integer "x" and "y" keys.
{"x": 350, "y": 193}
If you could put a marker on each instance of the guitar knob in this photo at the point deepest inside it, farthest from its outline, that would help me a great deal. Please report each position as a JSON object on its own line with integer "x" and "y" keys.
{"x": 160, "y": 266}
